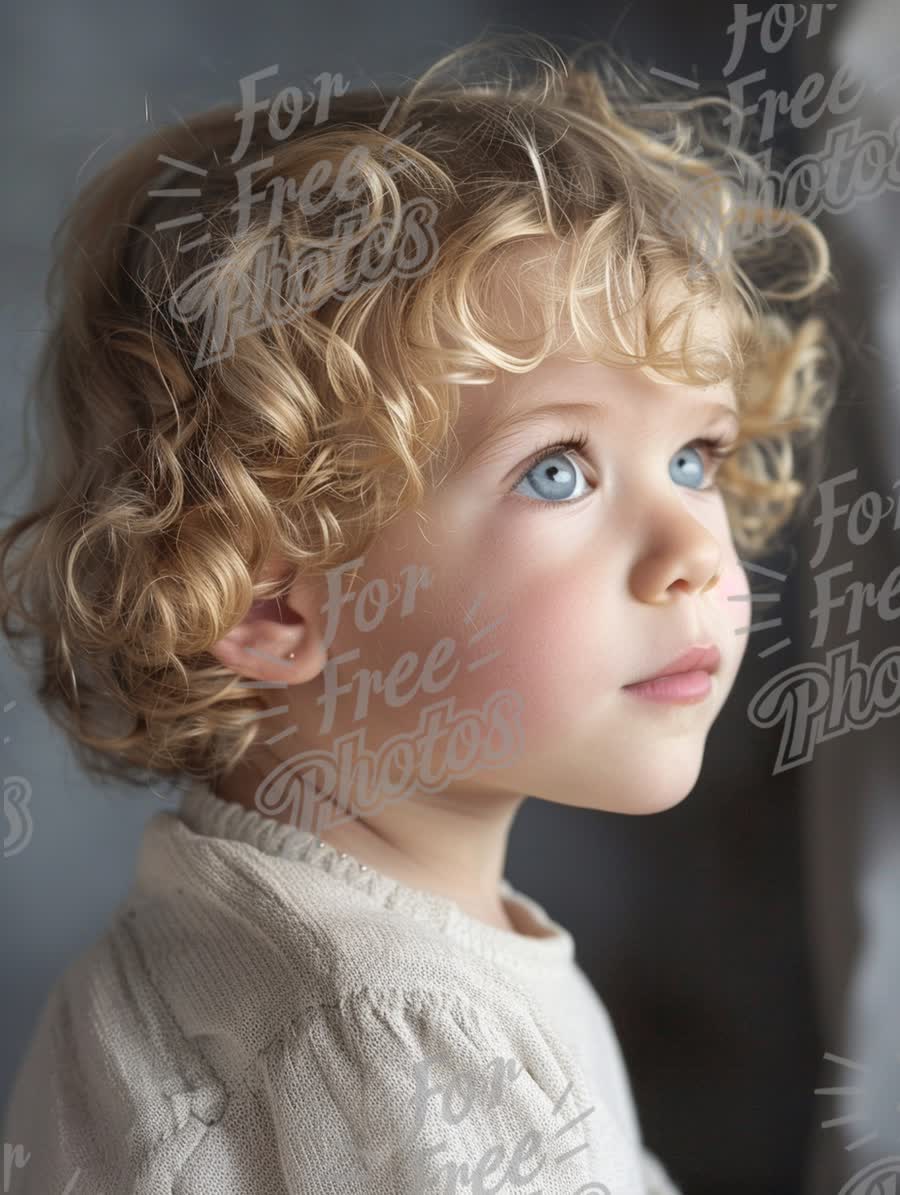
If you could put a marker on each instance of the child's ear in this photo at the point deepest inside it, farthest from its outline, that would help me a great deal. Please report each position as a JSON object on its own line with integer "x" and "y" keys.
{"x": 260, "y": 645}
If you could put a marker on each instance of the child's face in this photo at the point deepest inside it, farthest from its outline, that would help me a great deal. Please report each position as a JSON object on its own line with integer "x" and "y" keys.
{"x": 569, "y": 600}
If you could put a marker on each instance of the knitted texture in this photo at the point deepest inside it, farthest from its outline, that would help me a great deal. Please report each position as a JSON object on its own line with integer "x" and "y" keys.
{"x": 266, "y": 1016}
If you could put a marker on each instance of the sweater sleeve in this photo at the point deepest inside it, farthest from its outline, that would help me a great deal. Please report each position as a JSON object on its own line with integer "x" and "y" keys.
{"x": 420, "y": 1094}
{"x": 110, "y": 1097}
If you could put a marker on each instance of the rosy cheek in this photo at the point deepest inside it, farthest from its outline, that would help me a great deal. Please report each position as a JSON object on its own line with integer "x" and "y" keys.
{"x": 734, "y": 581}
{"x": 733, "y": 592}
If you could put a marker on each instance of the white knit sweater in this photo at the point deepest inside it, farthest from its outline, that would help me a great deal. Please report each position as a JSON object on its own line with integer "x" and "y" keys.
{"x": 264, "y": 1017}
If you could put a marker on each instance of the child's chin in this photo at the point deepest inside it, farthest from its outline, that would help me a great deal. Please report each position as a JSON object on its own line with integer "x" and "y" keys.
{"x": 660, "y": 802}
{"x": 651, "y": 794}
{"x": 634, "y": 798}
{"x": 639, "y": 804}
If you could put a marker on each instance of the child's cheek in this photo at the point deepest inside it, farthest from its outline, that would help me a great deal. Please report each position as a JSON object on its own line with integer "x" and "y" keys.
{"x": 733, "y": 591}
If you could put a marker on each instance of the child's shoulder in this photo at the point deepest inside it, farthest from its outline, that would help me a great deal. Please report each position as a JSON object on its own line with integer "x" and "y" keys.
{"x": 230, "y": 980}
{"x": 107, "y": 1071}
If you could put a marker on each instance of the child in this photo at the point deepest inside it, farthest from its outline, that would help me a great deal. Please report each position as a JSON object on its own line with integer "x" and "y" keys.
{"x": 298, "y": 548}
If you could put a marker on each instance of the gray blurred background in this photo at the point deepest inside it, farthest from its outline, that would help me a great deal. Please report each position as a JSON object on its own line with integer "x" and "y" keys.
{"x": 746, "y": 941}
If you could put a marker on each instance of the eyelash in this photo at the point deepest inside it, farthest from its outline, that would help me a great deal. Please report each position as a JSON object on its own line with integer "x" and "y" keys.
{"x": 719, "y": 448}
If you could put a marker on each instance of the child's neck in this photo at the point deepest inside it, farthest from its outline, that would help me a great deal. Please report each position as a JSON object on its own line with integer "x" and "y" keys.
{"x": 451, "y": 844}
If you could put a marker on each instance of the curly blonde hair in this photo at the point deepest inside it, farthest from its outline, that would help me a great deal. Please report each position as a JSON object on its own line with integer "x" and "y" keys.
{"x": 167, "y": 482}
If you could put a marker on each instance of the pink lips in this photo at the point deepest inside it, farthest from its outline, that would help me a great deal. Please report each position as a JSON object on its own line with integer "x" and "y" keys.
{"x": 686, "y": 678}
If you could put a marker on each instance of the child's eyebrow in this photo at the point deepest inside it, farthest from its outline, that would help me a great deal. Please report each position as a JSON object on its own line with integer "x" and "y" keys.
{"x": 505, "y": 424}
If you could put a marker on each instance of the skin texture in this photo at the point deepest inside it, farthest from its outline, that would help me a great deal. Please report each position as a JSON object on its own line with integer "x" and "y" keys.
{"x": 630, "y": 563}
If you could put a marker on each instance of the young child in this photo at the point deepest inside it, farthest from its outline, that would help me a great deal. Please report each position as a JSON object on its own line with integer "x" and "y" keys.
{"x": 296, "y": 547}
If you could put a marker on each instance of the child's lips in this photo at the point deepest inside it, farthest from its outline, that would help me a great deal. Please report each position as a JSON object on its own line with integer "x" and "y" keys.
{"x": 701, "y": 657}
{"x": 682, "y": 686}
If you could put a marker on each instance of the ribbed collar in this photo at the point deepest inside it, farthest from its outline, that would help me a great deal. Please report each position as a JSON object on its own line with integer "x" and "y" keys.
{"x": 204, "y": 812}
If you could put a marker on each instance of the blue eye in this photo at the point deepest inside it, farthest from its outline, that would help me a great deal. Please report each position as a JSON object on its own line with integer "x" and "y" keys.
{"x": 693, "y": 465}
{"x": 554, "y": 478}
